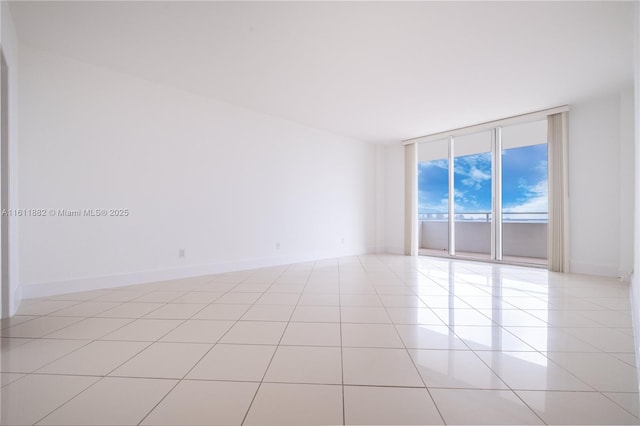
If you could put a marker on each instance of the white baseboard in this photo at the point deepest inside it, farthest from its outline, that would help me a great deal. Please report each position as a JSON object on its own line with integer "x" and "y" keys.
{"x": 17, "y": 298}
{"x": 14, "y": 302}
{"x": 53, "y": 288}
{"x": 394, "y": 250}
{"x": 591, "y": 269}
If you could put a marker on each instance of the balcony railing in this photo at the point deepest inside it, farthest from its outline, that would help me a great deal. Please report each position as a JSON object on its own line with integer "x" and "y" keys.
{"x": 532, "y": 217}
{"x": 524, "y": 234}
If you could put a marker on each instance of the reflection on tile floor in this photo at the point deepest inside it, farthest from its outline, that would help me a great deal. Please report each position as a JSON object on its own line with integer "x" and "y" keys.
{"x": 359, "y": 340}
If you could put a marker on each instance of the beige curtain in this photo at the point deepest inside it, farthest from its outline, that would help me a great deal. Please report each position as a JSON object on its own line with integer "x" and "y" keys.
{"x": 558, "y": 228}
{"x": 410, "y": 200}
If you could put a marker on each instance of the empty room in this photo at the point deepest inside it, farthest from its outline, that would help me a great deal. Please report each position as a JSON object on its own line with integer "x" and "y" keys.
{"x": 328, "y": 213}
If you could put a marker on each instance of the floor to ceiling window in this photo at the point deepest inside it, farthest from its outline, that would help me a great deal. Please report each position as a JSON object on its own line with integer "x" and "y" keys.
{"x": 483, "y": 195}
{"x": 433, "y": 196}
{"x": 472, "y": 181}
{"x": 525, "y": 192}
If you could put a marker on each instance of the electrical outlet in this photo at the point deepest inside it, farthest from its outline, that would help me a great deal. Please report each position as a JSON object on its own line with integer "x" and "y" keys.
{"x": 181, "y": 253}
{"x": 277, "y": 246}
{"x": 342, "y": 241}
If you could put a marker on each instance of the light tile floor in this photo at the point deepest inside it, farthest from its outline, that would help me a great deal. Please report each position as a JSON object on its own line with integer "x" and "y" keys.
{"x": 357, "y": 340}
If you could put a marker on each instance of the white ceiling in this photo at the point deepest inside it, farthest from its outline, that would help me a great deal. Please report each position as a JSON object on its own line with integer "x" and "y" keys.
{"x": 375, "y": 71}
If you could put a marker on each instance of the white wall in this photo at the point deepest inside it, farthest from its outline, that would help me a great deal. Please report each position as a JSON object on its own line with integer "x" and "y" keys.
{"x": 381, "y": 202}
{"x": 627, "y": 182}
{"x": 600, "y": 194}
{"x": 394, "y": 197}
{"x": 224, "y": 183}
{"x": 9, "y": 42}
{"x": 635, "y": 284}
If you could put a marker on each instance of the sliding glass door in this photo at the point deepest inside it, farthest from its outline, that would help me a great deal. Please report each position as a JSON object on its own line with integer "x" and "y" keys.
{"x": 484, "y": 195}
{"x": 524, "y": 192}
{"x": 472, "y": 188}
{"x": 433, "y": 197}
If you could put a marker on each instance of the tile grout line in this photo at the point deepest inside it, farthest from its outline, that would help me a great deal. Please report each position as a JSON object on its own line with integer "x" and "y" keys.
{"x": 100, "y": 378}
{"x": 604, "y": 393}
{"x": 244, "y": 418}
{"x": 335, "y": 384}
{"x": 344, "y": 408}
{"x": 415, "y": 366}
{"x": 197, "y": 362}
{"x": 177, "y": 382}
{"x": 68, "y": 401}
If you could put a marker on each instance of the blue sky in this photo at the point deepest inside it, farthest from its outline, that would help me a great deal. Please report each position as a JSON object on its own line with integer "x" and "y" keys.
{"x": 524, "y": 182}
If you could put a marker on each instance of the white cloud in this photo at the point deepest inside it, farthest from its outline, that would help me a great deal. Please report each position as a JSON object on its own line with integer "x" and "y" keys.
{"x": 542, "y": 166}
{"x": 477, "y": 174}
{"x": 441, "y": 164}
{"x": 464, "y": 201}
{"x": 476, "y": 177}
{"x": 535, "y": 198}
{"x": 476, "y": 169}
{"x": 426, "y": 205}
{"x": 461, "y": 203}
